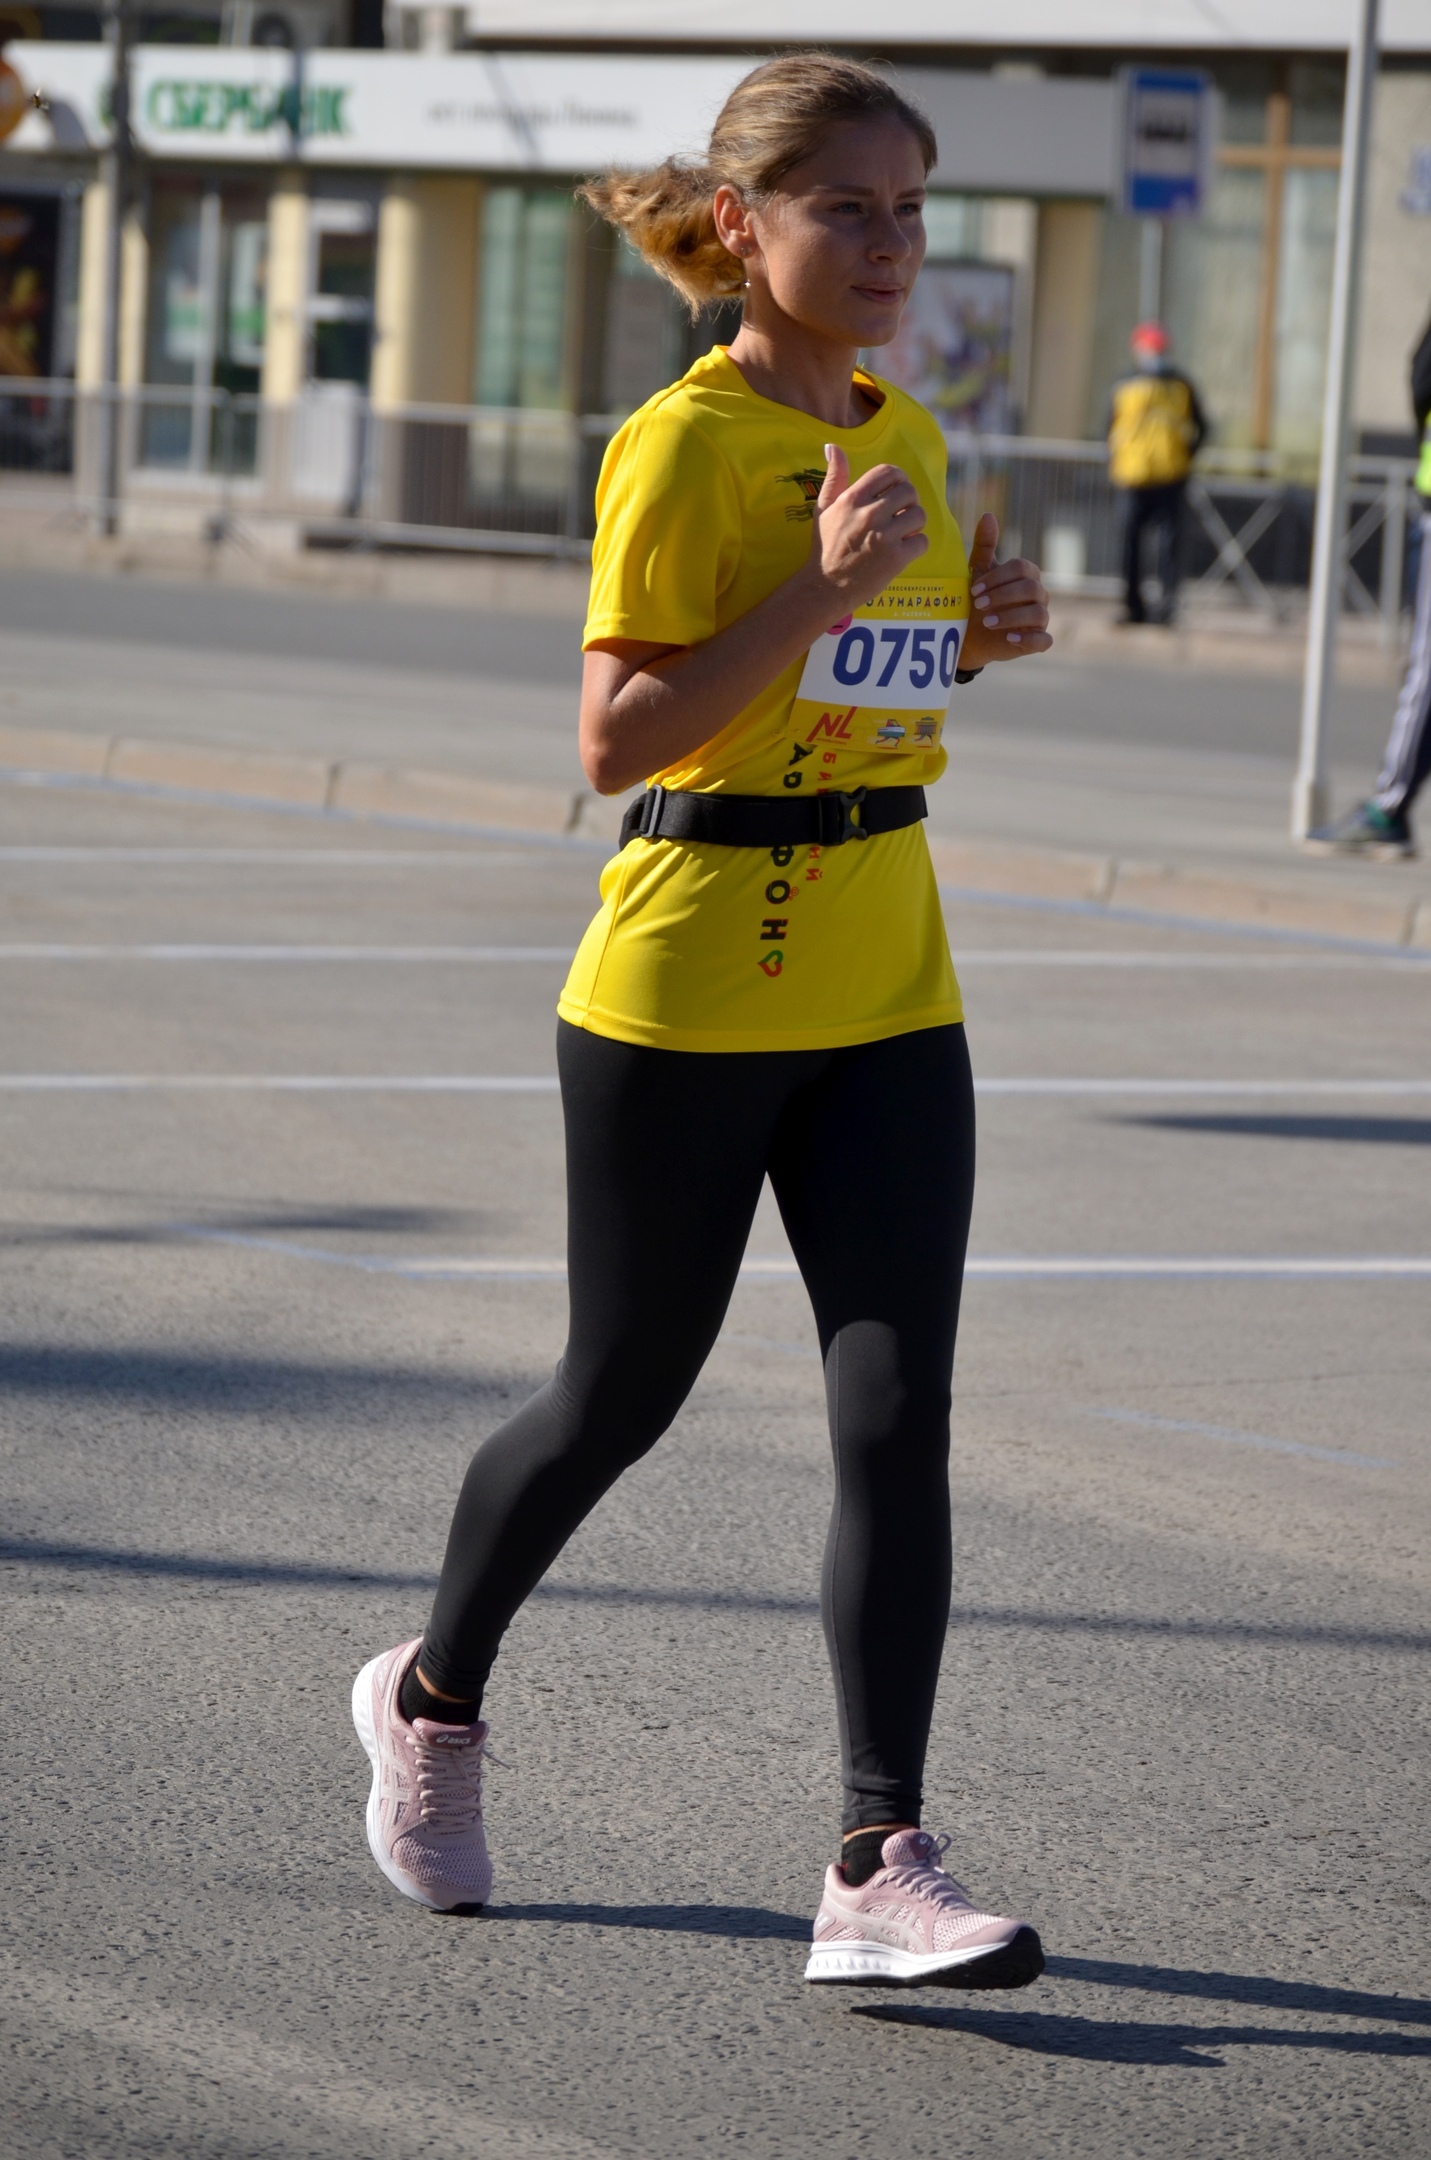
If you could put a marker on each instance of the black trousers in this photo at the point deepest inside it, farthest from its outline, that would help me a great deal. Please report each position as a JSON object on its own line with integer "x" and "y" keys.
{"x": 1156, "y": 510}
{"x": 870, "y": 1151}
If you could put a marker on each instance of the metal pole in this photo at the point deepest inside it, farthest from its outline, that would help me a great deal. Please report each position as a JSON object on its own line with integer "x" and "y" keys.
{"x": 118, "y": 166}
{"x": 1150, "y": 271}
{"x": 201, "y": 404}
{"x": 1310, "y": 804}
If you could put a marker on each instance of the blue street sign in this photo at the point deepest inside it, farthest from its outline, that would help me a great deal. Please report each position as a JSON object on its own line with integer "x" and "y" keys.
{"x": 1169, "y": 121}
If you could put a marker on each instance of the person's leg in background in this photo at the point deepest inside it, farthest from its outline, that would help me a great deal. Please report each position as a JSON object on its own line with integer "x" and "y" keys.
{"x": 1408, "y": 750}
{"x": 873, "y": 1167}
{"x": 1168, "y": 513}
{"x": 1134, "y": 513}
{"x": 1382, "y": 824}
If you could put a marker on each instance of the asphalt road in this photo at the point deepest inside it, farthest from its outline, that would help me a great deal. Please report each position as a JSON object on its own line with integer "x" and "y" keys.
{"x": 1166, "y": 766}
{"x": 234, "y": 638}
{"x": 252, "y": 1332}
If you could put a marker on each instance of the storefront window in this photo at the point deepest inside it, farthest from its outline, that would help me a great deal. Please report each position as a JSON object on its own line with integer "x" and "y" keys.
{"x": 1244, "y": 87}
{"x": 1317, "y": 90}
{"x": 1212, "y": 276}
{"x": 645, "y": 332}
{"x": 340, "y": 306}
{"x": 954, "y": 227}
{"x": 208, "y": 258}
{"x": 1304, "y": 283}
{"x": 1117, "y": 312}
{"x": 522, "y": 294}
{"x": 29, "y": 263}
{"x": 242, "y": 360}
{"x": 177, "y": 313}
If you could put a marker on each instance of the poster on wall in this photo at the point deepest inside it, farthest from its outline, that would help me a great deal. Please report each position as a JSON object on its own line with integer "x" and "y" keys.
{"x": 29, "y": 238}
{"x": 954, "y": 344}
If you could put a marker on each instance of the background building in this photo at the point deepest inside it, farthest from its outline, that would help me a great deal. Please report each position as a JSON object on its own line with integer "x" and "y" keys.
{"x": 324, "y": 221}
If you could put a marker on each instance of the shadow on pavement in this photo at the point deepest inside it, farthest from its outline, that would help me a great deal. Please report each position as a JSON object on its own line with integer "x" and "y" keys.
{"x": 1388, "y": 1131}
{"x": 210, "y": 1567}
{"x": 204, "y": 1567}
{"x": 735, "y": 1923}
{"x": 1125, "y": 2041}
{"x": 365, "y": 1221}
{"x": 235, "y": 1385}
{"x": 1250, "y": 1988}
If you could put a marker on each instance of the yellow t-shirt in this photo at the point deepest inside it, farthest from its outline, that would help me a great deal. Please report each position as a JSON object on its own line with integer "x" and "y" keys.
{"x": 704, "y": 507}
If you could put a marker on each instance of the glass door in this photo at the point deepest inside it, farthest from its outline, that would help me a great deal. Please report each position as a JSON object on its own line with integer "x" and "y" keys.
{"x": 330, "y": 424}
{"x": 205, "y": 325}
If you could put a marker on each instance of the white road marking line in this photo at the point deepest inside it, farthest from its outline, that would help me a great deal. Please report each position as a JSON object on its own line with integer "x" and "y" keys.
{"x": 438, "y": 955}
{"x": 1328, "y": 1267}
{"x": 417, "y": 1269}
{"x": 379, "y": 858}
{"x": 546, "y": 1083}
{"x": 1018, "y": 956}
{"x": 1033, "y": 1268}
{"x": 461, "y": 955}
{"x": 1235, "y": 1438}
{"x": 1054, "y": 1086}
{"x": 280, "y": 1083}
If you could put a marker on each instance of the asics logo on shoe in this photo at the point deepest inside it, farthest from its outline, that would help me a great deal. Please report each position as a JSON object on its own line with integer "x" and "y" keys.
{"x": 443, "y": 1739}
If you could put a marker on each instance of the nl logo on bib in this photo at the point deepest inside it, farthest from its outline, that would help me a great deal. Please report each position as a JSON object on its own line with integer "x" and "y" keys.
{"x": 881, "y": 678}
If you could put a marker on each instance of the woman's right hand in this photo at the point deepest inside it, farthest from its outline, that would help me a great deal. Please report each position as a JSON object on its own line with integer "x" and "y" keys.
{"x": 646, "y": 707}
{"x": 865, "y": 532}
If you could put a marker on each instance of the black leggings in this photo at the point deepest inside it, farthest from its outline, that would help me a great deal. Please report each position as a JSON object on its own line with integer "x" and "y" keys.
{"x": 870, "y": 1151}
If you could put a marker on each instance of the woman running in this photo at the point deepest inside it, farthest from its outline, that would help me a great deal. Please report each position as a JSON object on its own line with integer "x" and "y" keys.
{"x": 780, "y": 607}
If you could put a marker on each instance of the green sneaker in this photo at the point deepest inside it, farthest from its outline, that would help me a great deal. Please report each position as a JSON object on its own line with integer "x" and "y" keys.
{"x": 1367, "y": 830}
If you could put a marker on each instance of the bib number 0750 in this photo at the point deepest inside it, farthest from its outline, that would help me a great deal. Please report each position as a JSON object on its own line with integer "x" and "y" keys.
{"x": 893, "y": 656}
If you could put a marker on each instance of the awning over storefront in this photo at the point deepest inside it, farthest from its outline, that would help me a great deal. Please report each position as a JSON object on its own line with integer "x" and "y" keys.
{"x": 459, "y": 111}
{"x": 522, "y": 112}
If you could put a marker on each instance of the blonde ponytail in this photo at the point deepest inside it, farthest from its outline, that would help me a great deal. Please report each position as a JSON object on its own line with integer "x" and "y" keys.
{"x": 773, "y": 120}
{"x": 668, "y": 217}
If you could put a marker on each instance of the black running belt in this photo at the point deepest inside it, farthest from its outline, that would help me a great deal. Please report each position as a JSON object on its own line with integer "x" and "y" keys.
{"x": 771, "y": 821}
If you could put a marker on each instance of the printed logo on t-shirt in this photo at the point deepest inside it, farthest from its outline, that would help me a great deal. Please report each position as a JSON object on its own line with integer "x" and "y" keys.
{"x": 809, "y": 480}
{"x": 880, "y": 679}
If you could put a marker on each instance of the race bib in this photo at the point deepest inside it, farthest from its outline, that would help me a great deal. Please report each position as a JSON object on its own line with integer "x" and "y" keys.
{"x": 881, "y": 678}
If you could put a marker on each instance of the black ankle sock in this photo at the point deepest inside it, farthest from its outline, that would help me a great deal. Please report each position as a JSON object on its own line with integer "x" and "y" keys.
{"x": 862, "y": 1856}
{"x": 414, "y": 1701}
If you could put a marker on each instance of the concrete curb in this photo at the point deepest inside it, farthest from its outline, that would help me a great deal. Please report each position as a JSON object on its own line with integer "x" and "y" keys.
{"x": 459, "y": 800}
{"x": 1158, "y": 889}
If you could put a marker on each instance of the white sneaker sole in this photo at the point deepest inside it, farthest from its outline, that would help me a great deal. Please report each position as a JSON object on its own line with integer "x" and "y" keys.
{"x": 1011, "y": 1963}
{"x": 1382, "y": 851}
{"x": 363, "y": 1721}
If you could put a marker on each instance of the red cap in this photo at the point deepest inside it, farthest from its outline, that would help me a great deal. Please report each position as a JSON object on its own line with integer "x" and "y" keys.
{"x": 1151, "y": 335}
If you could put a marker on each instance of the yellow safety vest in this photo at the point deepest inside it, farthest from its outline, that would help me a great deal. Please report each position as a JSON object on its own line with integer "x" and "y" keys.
{"x": 1423, "y": 470}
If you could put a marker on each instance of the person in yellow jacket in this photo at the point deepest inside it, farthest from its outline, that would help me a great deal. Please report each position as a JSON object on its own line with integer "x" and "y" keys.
{"x": 1155, "y": 427}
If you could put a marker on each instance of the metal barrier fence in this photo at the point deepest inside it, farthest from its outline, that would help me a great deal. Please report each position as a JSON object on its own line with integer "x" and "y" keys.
{"x": 1249, "y": 524}
{"x": 343, "y": 474}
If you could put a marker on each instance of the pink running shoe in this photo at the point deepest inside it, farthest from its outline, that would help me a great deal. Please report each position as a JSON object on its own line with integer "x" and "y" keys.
{"x": 425, "y": 1808}
{"x": 911, "y": 1925}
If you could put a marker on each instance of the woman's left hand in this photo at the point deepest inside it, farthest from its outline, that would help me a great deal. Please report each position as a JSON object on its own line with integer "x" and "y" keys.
{"x": 1009, "y": 606}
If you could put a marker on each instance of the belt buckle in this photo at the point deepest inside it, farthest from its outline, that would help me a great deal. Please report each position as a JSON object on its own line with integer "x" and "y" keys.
{"x": 847, "y": 828}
